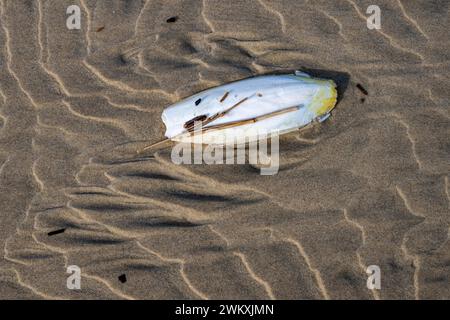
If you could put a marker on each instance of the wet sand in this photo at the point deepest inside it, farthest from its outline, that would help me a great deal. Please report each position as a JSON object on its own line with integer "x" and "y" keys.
{"x": 369, "y": 186}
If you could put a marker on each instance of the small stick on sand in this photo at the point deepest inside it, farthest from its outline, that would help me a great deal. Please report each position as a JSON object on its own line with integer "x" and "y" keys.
{"x": 154, "y": 145}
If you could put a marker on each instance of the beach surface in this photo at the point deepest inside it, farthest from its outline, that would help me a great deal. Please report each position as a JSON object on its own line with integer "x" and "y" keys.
{"x": 369, "y": 186}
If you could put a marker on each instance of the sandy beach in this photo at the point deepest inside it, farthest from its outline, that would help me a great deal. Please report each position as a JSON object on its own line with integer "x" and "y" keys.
{"x": 369, "y": 186}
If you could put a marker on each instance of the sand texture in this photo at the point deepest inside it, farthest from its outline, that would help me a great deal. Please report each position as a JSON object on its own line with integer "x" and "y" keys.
{"x": 370, "y": 186}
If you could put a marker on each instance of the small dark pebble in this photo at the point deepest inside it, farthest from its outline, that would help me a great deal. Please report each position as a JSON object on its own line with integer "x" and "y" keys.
{"x": 198, "y": 102}
{"x": 362, "y": 100}
{"x": 172, "y": 19}
{"x": 360, "y": 87}
{"x": 123, "y": 278}
{"x": 51, "y": 233}
{"x": 100, "y": 29}
{"x": 122, "y": 59}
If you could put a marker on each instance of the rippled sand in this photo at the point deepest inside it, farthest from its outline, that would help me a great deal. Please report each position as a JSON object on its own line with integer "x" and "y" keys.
{"x": 369, "y": 186}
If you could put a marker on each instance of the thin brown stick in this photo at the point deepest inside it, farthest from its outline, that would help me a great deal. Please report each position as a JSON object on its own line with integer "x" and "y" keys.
{"x": 229, "y": 124}
{"x": 276, "y": 113}
{"x": 224, "y": 97}
{"x": 222, "y": 113}
{"x": 251, "y": 120}
{"x": 154, "y": 145}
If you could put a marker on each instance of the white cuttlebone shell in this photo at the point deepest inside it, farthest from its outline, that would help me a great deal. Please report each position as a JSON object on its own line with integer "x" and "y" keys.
{"x": 265, "y": 94}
